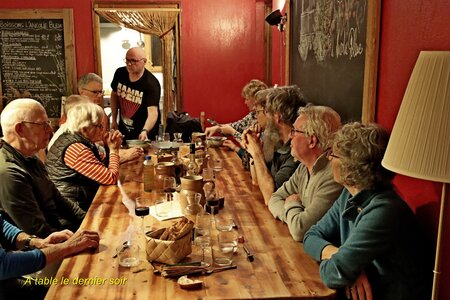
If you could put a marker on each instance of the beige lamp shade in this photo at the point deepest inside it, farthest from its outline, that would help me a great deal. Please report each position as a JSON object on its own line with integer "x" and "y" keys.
{"x": 419, "y": 145}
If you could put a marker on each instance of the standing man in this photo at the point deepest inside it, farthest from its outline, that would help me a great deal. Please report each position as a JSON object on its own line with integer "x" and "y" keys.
{"x": 29, "y": 200}
{"x": 302, "y": 200}
{"x": 136, "y": 93}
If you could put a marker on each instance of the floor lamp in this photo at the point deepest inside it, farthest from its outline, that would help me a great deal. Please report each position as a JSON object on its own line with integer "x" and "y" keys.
{"x": 419, "y": 145}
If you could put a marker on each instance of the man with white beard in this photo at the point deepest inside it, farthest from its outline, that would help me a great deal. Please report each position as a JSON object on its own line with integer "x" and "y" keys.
{"x": 272, "y": 159}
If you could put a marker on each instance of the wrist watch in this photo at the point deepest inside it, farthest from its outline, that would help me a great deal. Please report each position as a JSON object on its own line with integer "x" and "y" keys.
{"x": 28, "y": 241}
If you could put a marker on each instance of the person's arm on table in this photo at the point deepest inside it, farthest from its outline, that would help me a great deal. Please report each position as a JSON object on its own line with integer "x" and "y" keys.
{"x": 300, "y": 218}
{"x": 277, "y": 200}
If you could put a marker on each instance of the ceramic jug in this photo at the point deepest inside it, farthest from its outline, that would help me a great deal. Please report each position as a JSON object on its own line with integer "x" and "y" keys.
{"x": 163, "y": 169}
{"x": 193, "y": 183}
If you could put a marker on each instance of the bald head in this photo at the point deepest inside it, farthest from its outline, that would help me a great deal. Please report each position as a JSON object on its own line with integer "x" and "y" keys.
{"x": 136, "y": 52}
{"x": 19, "y": 110}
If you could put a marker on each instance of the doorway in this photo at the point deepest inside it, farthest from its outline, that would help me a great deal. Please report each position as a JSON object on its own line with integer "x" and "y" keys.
{"x": 120, "y": 26}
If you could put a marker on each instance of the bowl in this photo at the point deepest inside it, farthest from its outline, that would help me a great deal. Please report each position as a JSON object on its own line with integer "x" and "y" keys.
{"x": 137, "y": 143}
{"x": 166, "y": 145}
{"x": 215, "y": 141}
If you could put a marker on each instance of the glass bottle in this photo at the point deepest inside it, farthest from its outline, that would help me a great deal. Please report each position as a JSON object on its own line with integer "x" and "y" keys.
{"x": 179, "y": 167}
{"x": 192, "y": 168}
{"x": 149, "y": 174}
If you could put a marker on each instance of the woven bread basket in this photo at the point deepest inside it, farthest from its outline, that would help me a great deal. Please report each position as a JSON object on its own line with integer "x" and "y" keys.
{"x": 168, "y": 252}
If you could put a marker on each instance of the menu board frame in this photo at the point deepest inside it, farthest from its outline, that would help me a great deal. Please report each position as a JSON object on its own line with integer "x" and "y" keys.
{"x": 66, "y": 15}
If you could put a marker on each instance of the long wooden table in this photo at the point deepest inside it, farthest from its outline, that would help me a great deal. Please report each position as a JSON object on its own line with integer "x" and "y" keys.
{"x": 281, "y": 268}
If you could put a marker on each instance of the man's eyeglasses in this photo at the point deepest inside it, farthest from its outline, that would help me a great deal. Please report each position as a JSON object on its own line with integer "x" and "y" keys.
{"x": 330, "y": 155}
{"x": 45, "y": 124}
{"x": 98, "y": 93}
{"x": 295, "y": 131}
{"x": 130, "y": 61}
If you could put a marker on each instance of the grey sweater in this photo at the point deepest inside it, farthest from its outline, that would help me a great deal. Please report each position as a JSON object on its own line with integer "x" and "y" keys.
{"x": 317, "y": 192}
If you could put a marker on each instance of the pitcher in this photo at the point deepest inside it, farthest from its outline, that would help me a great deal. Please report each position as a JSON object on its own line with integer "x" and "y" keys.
{"x": 193, "y": 183}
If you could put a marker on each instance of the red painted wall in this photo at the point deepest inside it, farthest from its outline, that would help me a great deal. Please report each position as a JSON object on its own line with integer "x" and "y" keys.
{"x": 222, "y": 44}
{"x": 408, "y": 27}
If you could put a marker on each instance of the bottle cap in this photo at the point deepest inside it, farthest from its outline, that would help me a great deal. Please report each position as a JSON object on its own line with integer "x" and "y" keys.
{"x": 148, "y": 157}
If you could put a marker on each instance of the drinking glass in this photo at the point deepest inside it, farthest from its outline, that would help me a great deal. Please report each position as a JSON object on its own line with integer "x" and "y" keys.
{"x": 203, "y": 224}
{"x": 223, "y": 251}
{"x": 177, "y": 137}
{"x": 203, "y": 241}
{"x": 169, "y": 186}
{"x": 217, "y": 165}
{"x": 223, "y": 222}
{"x": 166, "y": 137}
{"x": 141, "y": 209}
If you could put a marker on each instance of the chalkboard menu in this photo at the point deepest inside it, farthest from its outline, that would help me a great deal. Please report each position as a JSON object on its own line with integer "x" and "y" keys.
{"x": 331, "y": 53}
{"x": 33, "y": 61}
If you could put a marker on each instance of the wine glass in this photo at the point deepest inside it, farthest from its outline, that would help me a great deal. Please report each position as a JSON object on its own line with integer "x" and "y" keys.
{"x": 203, "y": 241}
{"x": 169, "y": 186}
{"x": 141, "y": 210}
{"x": 177, "y": 137}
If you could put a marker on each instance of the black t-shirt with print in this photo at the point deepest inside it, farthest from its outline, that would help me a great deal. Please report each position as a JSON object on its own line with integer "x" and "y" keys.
{"x": 134, "y": 98}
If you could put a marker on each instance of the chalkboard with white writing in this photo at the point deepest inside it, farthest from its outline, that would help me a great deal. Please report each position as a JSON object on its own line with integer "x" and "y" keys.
{"x": 331, "y": 55}
{"x": 33, "y": 61}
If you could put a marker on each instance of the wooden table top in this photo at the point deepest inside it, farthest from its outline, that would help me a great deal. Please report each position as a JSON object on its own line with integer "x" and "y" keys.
{"x": 281, "y": 268}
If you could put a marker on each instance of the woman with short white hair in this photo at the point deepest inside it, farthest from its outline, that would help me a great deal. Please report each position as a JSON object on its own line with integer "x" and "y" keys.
{"x": 74, "y": 162}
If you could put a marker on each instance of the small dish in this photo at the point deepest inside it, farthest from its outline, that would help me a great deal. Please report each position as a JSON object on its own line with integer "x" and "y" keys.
{"x": 137, "y": 143}
{"x": 215, "y": 141}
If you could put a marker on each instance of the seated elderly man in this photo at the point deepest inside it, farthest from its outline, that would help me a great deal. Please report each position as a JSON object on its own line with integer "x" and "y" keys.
{"x": 272, "y": 157}
{"x": 302, "y": 200}
{"x": 40, "y": 253}
{"x": 74, "y": 163}
{"x": 29, "y": 199}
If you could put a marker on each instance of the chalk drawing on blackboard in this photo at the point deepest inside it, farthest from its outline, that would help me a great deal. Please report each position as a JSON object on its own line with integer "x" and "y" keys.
{"x": 331, "y": 29}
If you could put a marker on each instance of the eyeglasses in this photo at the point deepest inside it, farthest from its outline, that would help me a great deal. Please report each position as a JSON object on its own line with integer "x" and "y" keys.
{"x": 260, "y": 110}
{"x": 130, "y": 61}
{"x": 98, "y": 93}
{"x": 45, "y": 124}
{"x": 330, "y": 155}
{"x": 295, "y": 131}
{"x": 99, "y": 126}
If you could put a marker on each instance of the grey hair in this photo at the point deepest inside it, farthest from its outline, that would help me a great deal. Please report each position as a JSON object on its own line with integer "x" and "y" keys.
{"x": 322, "y": 122}
{"x": 73, "y": 100}
{"x": 252, "y": 87}
{"x": 285, "y": 101}
{"x": 87, "y": 78}
{"x": 17, "y": 111}
{"x": 84, "y": 115}
{"x": 360, "y": 149}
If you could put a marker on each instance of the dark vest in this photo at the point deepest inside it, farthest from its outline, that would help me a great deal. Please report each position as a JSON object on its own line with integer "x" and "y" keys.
{"x": 72, "y": 185}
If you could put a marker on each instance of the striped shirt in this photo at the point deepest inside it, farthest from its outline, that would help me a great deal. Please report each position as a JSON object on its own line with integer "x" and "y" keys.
{"x": 82, "y": 159}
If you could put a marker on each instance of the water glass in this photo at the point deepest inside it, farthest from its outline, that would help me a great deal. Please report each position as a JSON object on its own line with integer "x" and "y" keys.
{"x": 217, "y": 165}
{"x": 223, "y": 222}
{"x": 203, "y": 224}
{"x": 225, "y": 248}
{"x": 162, "y": 207}
{"x": 178, "y": 137}
{"x": 128, "y": 255}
